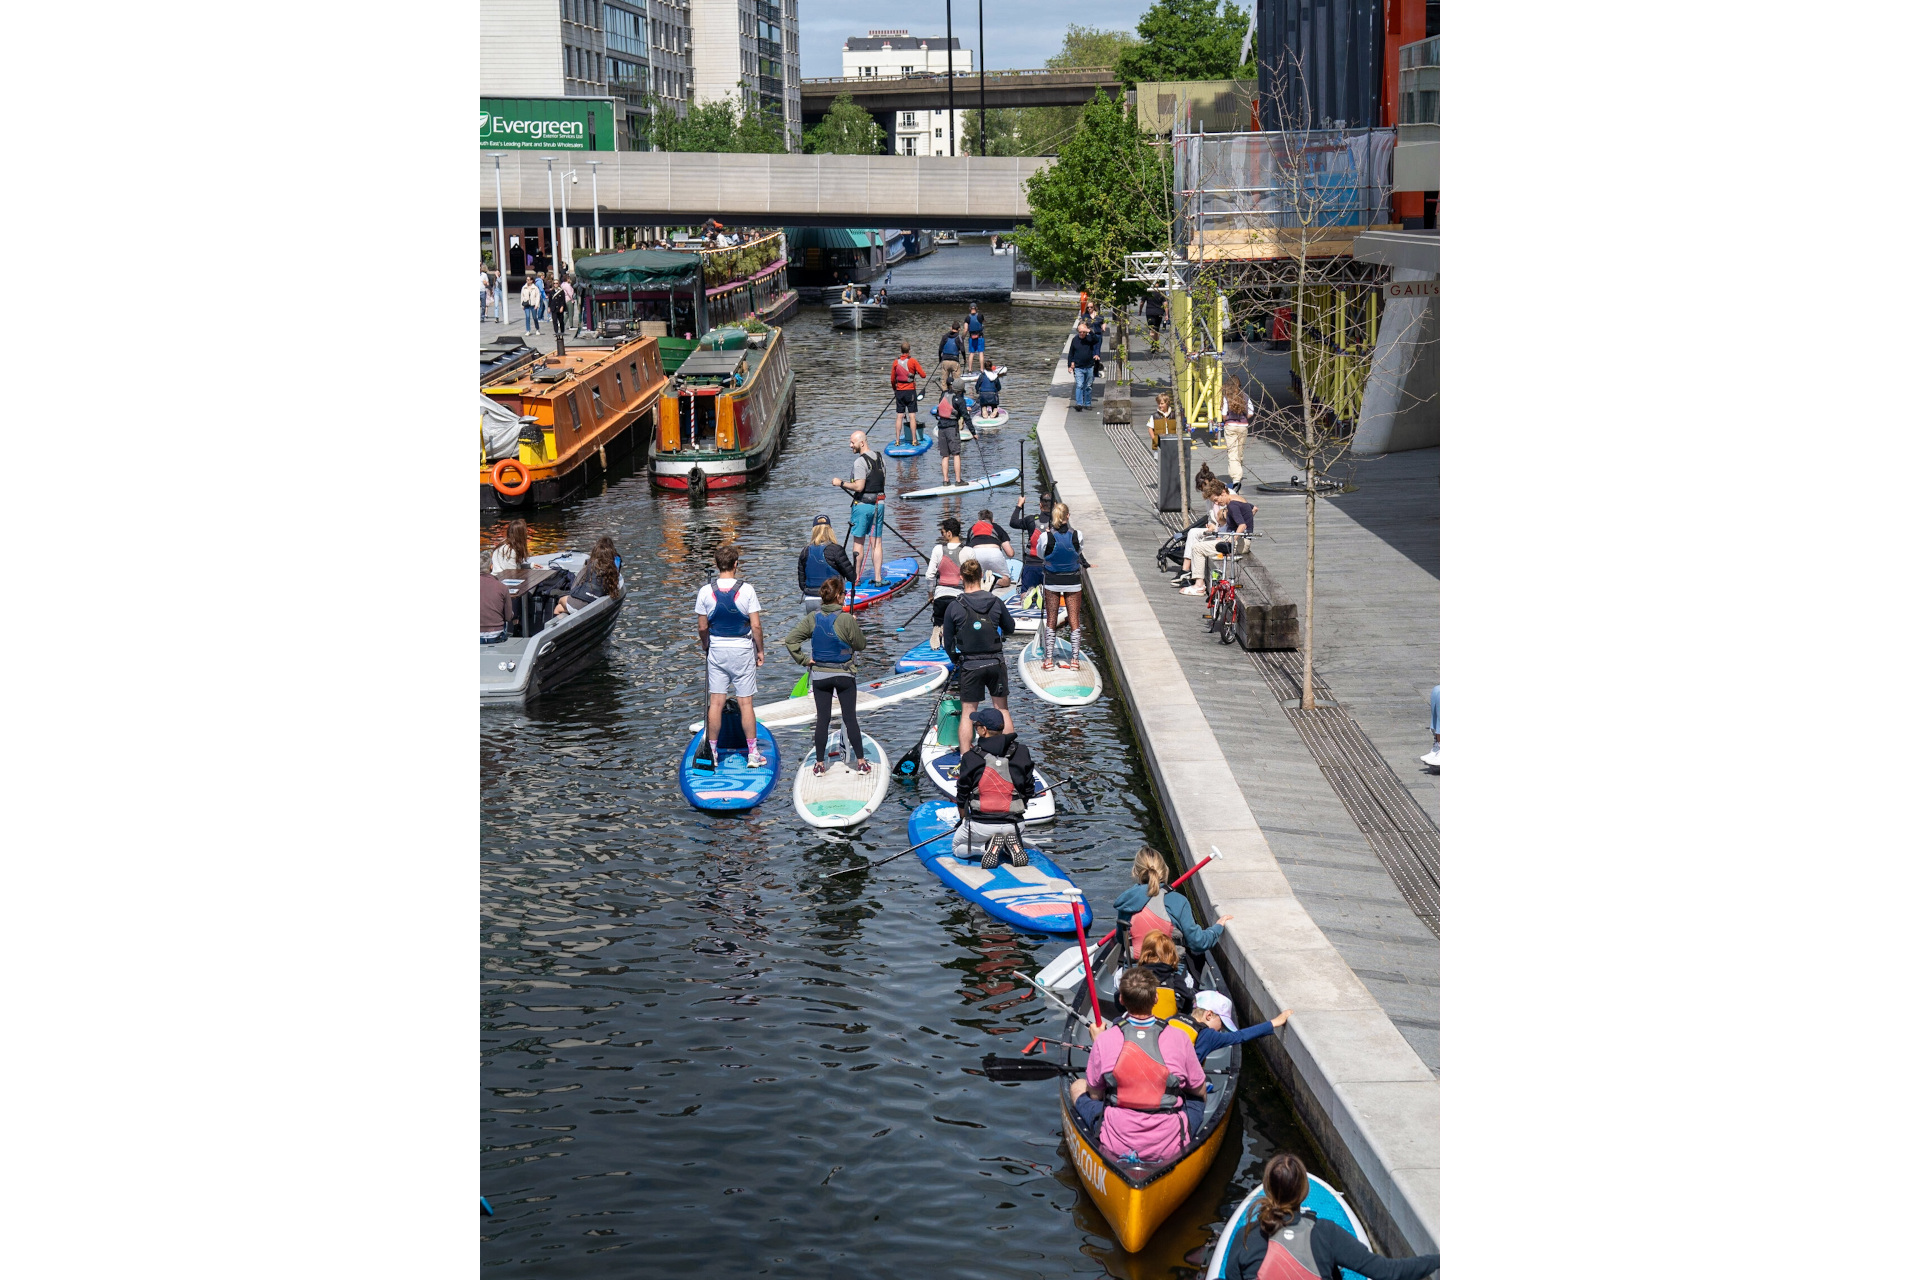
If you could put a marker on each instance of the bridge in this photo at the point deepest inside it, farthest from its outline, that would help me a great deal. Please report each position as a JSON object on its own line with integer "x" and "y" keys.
{"x": 681, "y": 188}
{"x": 927, "y": 90}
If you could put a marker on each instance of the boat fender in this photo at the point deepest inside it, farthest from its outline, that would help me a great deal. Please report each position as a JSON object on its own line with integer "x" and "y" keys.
{"x": 511, "y": 490}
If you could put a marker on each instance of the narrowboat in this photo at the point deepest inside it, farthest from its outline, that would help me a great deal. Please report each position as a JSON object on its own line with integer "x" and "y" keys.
{"x": 673, "y": 295}
{"x": 722, "y": 421}
{"x": 1136, "y": 1198}
{"x": 577, "y": 414}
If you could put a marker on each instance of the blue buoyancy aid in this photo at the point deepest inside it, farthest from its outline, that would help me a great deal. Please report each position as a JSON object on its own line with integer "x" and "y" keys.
{"x": 828, "y": 647}
{"x": 1063, "y": 556}
{"x": 988, "y": 385}
{"x": 818, "y": 570}
{"x": 728, "y": 618}
{"x": 950, "y": 347}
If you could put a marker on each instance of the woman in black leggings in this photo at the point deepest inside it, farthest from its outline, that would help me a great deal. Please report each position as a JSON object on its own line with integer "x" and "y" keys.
{"x": 825, "y": 643}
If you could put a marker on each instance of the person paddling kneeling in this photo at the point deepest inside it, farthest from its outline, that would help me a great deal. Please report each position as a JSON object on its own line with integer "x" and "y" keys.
{"x": 1291, "y": 1243}
{"x": 993, "y": 786}
{"x": 825, "y": 643}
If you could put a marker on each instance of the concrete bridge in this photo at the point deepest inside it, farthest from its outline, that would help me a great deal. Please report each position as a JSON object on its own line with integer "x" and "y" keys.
{"x": 927, "y": 90}
{"x": 652, "y": 188}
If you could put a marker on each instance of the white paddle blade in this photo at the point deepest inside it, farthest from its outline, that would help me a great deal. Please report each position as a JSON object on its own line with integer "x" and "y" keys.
{"x": 1063, "y": 972}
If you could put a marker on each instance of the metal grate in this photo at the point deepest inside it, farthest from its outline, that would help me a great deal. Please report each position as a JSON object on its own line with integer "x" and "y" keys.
{"x": 1140, "y": 462}
{"x": 1403, "y": 837}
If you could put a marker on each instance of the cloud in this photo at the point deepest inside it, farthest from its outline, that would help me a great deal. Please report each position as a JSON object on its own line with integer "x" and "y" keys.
{"x": 1016, "y": 38}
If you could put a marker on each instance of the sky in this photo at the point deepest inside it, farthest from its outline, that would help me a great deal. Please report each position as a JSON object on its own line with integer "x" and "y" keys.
{"x": 1018, "y": 36}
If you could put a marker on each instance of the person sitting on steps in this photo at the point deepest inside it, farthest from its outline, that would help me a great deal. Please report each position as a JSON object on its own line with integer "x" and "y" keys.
{"x": 825, "y": 644}
{"x": 1140, "y": 1074}
{"x": 992, "y": 789}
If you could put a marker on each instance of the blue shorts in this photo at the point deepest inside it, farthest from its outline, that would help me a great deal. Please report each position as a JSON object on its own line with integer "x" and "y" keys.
{"x": 977, "y": 343}
{"x": 866, "y": 519}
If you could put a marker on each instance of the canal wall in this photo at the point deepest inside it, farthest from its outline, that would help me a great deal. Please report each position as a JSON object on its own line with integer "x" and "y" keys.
{"x": 1364, "y": 1094}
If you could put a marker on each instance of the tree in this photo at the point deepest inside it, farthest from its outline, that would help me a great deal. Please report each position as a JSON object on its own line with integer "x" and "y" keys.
{"x": 723, "y": 125}
{"x": 1097, "y": 203}
{"x": 848, "y": 129}
{"x": 1186, "y": 40}
{"x": 1039, "y": 131}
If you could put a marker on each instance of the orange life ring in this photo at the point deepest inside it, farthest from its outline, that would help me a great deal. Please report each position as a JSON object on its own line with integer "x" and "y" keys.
{"x": 512, "y": 491}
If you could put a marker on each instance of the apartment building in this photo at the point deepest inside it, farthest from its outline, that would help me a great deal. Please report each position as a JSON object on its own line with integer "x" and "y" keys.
{"x": 632, "y": 51}
{"x": 896, "y": 53}
{"x": 749, "y": 51}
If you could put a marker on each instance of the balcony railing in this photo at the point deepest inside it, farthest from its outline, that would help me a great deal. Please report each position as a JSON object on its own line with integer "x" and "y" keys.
{"x": 941, "y": 74}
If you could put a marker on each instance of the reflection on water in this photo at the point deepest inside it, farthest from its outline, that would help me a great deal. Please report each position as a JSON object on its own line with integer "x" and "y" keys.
{"x": 697, "y": 1055}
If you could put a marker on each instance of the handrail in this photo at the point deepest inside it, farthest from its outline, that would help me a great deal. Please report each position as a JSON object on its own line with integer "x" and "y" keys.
{"x": 941, "y": 74}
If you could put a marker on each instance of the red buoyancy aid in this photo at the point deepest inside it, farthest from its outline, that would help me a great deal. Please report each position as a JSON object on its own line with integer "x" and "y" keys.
{"x": 1149, "y": 918}
{"x": 903, "y": 374}
{"x": 949, "y": 567}
{"x": 1290, "y": 1253}
{"x": 1139, "y": 1079}
{"x": 996, "y": 796}
{"x": 1033, "y": 542}
{"x": 981, "y": 529}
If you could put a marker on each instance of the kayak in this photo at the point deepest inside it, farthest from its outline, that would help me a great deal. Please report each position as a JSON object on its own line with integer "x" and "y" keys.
{"x": 923, "y": 655}
{"x": 840, "y": 797}
{"x": 1037, "y": 898}
{"x": 993, "y": 481}
{"x": 1327, "y": 1204}
{"x": 894, "y": 574}
{"x": 874, "y": 694}
{"x": 1060, "y": 686}
{"x": 908, "y": 450}
{"x": 940, "y": 761}
{"x": 733, "y": 785}
{"x": 1136, "y": 1198}
{"x": 987, "y": 419}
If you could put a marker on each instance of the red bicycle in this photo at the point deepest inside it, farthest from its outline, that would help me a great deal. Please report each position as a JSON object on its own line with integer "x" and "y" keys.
{"x": 1224, "y": 611}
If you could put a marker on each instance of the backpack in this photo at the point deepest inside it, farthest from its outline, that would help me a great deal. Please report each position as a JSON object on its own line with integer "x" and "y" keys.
{"x": 996, "y": 796}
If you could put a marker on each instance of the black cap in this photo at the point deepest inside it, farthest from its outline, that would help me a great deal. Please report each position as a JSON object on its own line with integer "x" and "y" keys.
{"x": 989, "y": 718}
{"x": 823, "y": 520}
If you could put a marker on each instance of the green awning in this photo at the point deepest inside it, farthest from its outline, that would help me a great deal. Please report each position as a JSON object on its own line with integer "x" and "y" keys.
{"x": 639, "y": 268}
{"x": 800, "y": 239}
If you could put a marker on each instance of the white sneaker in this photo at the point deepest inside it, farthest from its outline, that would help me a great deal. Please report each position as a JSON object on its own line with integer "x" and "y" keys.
{"x": 1431, "y": 759}
{"x": 755, "y": 760}
{"x": 1195, "y": 590}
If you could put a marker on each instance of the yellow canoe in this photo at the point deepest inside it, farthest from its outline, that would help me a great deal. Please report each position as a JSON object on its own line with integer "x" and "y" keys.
{"x": 1136, "y": 1198}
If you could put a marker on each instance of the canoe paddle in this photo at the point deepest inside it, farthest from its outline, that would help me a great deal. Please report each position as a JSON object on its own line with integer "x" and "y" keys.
{"x": 1075, "y": 1013}
{"x": 889, "y": 858}
{"x": 916, "y": 613}
{"x": 800, "y": 685}
{"x": 1013, "y": 1070}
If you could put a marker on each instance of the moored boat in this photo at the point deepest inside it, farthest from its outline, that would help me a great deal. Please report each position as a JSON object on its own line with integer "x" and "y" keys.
{"x": 578, "y": 413}
{"x": 525, "y": 666}
{"x": 722, "y": 421}
{"x": 1136, "y": 1198}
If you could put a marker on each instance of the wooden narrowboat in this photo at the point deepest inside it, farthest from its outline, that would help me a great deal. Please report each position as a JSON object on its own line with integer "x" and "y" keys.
{"x": 722, "y": 421}
{"x": 580, "y": 413}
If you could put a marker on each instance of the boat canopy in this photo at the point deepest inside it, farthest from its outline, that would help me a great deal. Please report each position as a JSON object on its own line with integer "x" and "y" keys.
{"x": 639, "y": 268}
{"x": 500, "y": 428}
{"x": 802, "y": 238}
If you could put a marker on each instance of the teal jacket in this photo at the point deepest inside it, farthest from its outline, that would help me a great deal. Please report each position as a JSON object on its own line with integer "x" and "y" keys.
{"x": 1179, "y": 910}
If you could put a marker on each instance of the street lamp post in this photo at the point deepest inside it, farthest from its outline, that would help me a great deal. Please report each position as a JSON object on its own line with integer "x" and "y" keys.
{"x": 950, "y": 116}
{"x": 499, "y": 238}
{"x": 553, "y": 227}
{"x": 566, "y": 230}
{"x": 595, "y": 166}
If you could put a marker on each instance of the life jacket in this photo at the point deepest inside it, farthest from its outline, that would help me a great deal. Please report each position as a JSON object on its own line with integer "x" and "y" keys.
{"x": 1033, "y": 541}
{"x": 945, "y": 407}
{"x": 876, "y": 482}
{"x": 1139, "y": 1079}
{"x": 976, "y": 323}
{"x": 818, "y": 570}
{"x": 903, "y": 374}
{"x": 950, "y": 347}
{"x": 1149, "y": 918}
{"x": 828, "y": 647}
{"x": 979, "y": 637}
{"x": 988, "y": 384}
{"x": 728, "y": 619}
{"x": 982, "y": 529}
{"x": 995, "y": 796}
{"x": 949, "y": 571}
{"x": 1290, "y": 1252}
{"x": 1062, "y": 556}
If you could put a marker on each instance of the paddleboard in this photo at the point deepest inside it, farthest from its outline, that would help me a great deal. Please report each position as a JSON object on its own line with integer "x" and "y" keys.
{"x": 1060, "y": 686}
{"x": 894, "y": 574}
{"x": 1037, "y": 898}
{"x": 911, "y": 450}
{"x": 988, "y": 419}
{"x": 733, "y": 785}
{"x": 874, "y": 694}
{"x": 923, "y": 655}
{"x": 993, "y": 481}
{"x": 1327, "y": 1204}
{"x": 841, "y": 797}
{"x": 940, "y": 761}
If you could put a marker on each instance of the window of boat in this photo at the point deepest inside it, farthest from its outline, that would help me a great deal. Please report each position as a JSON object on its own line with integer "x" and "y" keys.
{"x": 573, "y": 404}
{"x": 599, "y": 411}
{"x": 633, "y": 367}
{"x": 620, "y": 386}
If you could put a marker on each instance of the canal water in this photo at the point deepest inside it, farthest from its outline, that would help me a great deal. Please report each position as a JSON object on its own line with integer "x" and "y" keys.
{"x": 697, "y": 1056}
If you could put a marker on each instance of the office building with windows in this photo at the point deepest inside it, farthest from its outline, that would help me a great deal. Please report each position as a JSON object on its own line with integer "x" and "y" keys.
{"x": 895, "y": 53}
{"x": 749, "y": 51}
{"x": 632, "y": 51}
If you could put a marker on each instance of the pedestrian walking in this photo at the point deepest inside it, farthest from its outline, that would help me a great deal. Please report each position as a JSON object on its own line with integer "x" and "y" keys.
{"x": 486, "y": 287}
{"x": 530, "y": 303}
{"x": 1234, "y": 423}
{"x": 541, "y": 282}
{"x": 1081, "y": 354}
{"x": 561, "y": 300}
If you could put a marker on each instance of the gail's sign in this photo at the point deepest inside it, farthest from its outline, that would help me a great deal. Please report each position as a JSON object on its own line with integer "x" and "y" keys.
{"x": 1413, "y": 288}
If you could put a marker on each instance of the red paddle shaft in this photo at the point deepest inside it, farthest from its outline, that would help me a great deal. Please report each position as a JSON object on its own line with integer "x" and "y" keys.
{"x": 1086, "y": 961}
{"x": 1175, "y": 885}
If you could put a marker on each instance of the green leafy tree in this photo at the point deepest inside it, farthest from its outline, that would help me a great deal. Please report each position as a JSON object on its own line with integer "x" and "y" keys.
{"x": 848, "y": 129}
{"x": 1040, "y": 131}
{"x": 1187, "y": 40}
{"x": 1109, "y": 194}
{"x": 723, "y": 125}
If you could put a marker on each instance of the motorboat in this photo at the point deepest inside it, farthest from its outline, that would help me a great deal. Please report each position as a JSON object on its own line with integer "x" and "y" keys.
{"x": 864, "y": 313}
{"x": 547, "y": 650}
